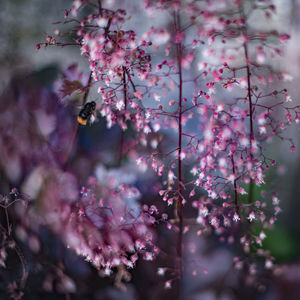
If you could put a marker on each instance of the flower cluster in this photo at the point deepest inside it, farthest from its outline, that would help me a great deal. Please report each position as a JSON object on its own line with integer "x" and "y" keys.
{"x": 115, "y": 57}
{"x": 214, "y": 86}
{"x": 107, "y": 227}
{"x": 234, "y": 113}
{"x": 103, "y": 222}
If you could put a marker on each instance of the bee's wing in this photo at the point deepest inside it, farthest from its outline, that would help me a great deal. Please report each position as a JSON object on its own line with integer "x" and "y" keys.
{"x": 92, "y": 118}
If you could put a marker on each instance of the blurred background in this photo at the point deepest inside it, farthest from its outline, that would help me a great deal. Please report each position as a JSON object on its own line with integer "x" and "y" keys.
{"x": 36, "y": 129}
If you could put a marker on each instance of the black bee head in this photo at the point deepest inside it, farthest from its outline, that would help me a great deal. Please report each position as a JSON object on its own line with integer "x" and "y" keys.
{"x": 93, "y": 105}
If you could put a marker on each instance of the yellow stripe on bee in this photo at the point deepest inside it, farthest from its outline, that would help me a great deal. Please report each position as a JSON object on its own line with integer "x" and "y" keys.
{"x": 81, "y": 121}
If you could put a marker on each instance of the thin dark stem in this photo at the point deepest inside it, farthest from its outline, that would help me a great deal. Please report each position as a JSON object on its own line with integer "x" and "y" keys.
{"x": 235, "y": 186}
{"x": 249, "y": 93}
{"x": 121, "y": 147}
{"x": 250, "y": 192}
{"x": 76, "y": 129}
{"x": 87, "y": 90}
{"x": 7, "y": 233}
{"x": 24, "y": 268}
{"x": 130, "y": 80}
{"x": 7, "y": 222}
{"x": 100, "y": 8}
{"x": 251, "y": 184}
{"x": 179, "y": 211}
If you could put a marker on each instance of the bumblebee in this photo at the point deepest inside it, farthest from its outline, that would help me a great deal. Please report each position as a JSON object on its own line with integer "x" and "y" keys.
{"x": 86, "y": 112}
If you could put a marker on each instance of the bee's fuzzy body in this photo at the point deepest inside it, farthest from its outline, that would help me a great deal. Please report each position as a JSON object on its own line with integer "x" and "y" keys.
{"x": 86, "y": 112}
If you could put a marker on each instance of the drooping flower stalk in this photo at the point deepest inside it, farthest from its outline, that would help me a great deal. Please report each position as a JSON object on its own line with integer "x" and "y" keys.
{"x": 179, "y": 160}
{"x": 249, "y": 95}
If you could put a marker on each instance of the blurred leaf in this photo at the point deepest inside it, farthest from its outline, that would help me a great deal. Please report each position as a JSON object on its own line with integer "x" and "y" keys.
{"x": 282, "y": 244}
{"x": 69, "y": 87}
{"x": 256, "y": 192}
